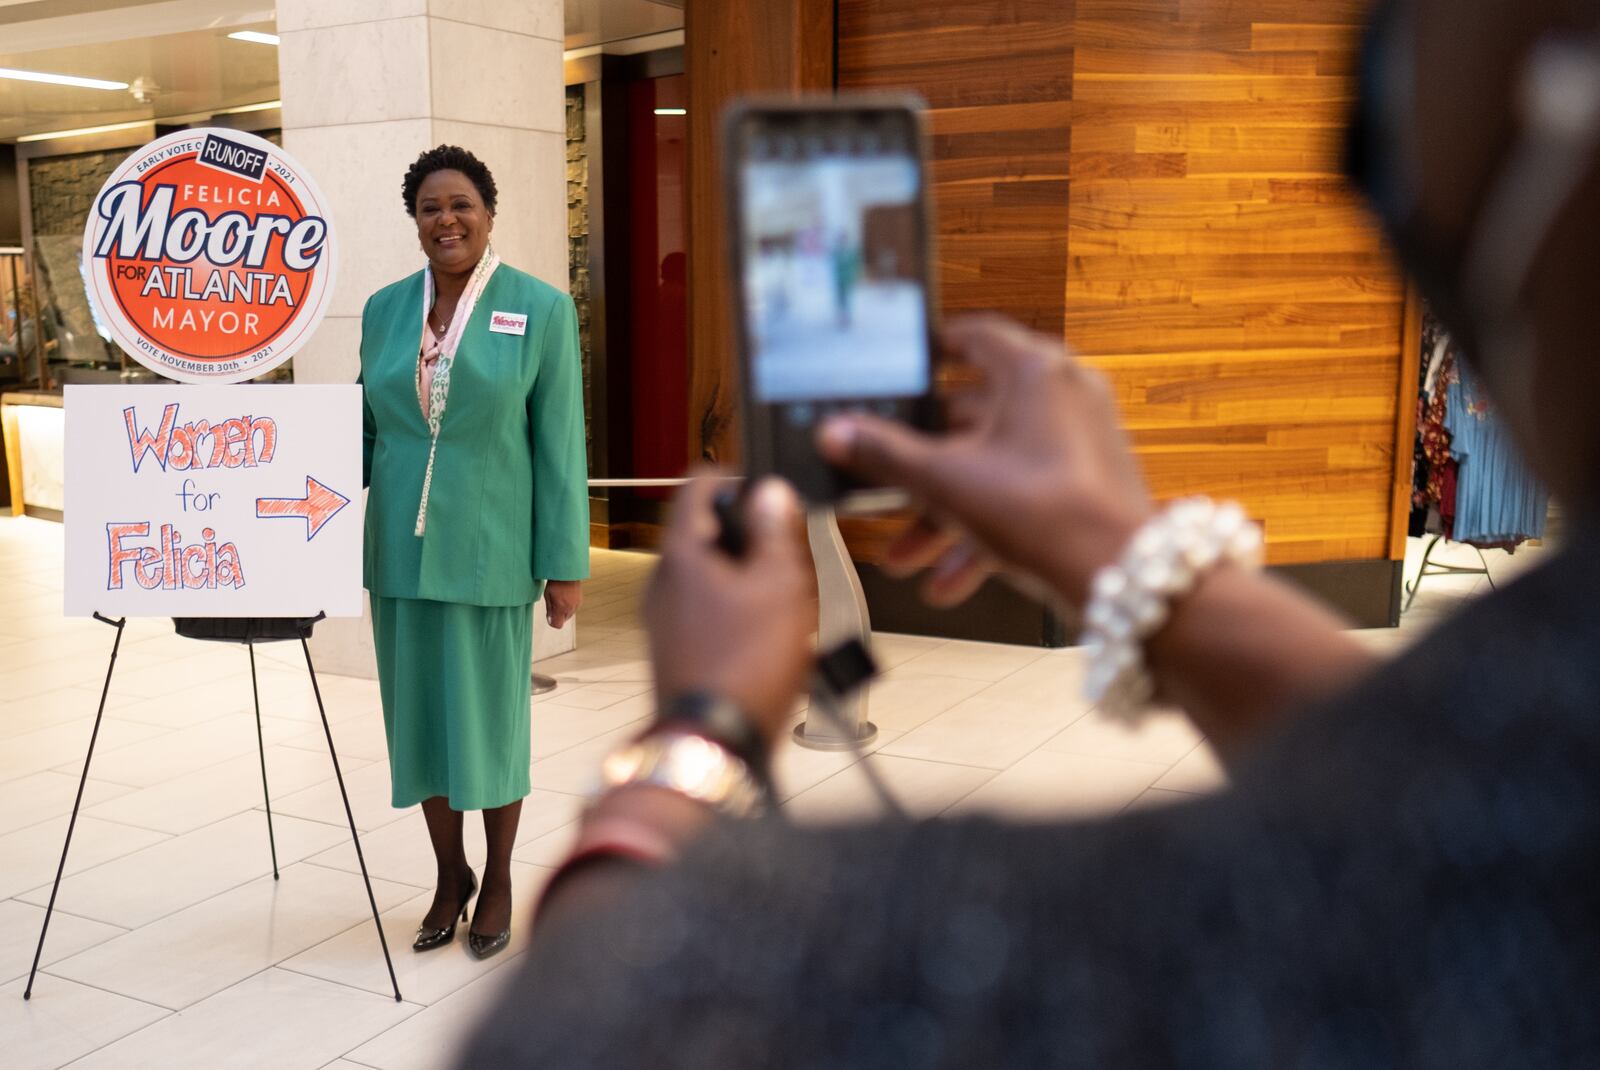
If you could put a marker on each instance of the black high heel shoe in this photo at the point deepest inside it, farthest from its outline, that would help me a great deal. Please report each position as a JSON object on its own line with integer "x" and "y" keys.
{"x": 483, "y": 946}
{"x": 429, "y": 938}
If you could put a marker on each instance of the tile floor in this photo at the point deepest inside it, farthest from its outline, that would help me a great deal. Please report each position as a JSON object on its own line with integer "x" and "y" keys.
{"x": 173, "y": 946}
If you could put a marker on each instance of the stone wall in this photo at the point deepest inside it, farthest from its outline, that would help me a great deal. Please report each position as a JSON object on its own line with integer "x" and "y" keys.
{"x": 61, "y": 188}
{"x": 578, "y": 246}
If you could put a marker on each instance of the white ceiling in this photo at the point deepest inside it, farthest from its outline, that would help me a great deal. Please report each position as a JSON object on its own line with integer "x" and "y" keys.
{"x": 35, "y": 25}
{"x": 183, "y": 47}
{"x": 199, "y": 72}
{"x": 180, "y": 45}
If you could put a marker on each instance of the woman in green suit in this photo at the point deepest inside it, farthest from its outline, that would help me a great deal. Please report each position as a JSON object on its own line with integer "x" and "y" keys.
{"x": 478, "y": 506}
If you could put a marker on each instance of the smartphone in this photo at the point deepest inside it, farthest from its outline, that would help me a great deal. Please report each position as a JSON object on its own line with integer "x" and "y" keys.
{"x": 828, "y": 220}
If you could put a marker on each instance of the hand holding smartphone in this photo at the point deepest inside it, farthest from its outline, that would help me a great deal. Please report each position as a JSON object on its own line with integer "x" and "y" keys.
{"x": 829, "y": 225}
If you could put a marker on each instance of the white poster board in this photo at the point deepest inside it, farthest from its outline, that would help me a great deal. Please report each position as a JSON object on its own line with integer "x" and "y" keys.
{"x": 213, "y": 501}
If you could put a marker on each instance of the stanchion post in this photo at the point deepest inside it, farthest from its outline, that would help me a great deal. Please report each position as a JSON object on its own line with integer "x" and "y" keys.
{"x": 105, "y": 689}
{"x": 842, "y": 616}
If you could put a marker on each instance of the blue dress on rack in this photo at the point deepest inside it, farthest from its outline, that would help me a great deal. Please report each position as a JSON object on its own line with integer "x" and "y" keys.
{"x": 1498, "y": 500}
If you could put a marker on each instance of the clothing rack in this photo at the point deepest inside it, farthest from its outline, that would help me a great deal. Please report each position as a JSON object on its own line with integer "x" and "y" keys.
{"x": 1431, "y": 567}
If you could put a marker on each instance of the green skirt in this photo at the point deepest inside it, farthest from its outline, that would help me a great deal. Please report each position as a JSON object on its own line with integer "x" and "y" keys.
{"x": 454, "y": 680}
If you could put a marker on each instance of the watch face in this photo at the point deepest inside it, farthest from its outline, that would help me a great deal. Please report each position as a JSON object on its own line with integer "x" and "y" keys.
{"x": 719, "y": 720}
{"x": 690, "y": 765}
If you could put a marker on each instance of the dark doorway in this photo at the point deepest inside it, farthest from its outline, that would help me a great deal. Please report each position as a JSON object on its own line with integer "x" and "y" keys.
{"x": 636, "y": 146}
{"x": 657, "y": 358}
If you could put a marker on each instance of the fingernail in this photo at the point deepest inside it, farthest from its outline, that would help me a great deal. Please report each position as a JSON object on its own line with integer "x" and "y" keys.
{"x": 772, "y": 503}
{"x": 837, "y": 436}
{"x": 953, "y": 562}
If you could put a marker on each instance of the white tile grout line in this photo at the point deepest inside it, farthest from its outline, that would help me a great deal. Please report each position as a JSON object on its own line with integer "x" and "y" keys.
{"x": 174, "y": 1011}
{"x": 276, "y": 965}
{"x": 59, "y": 910}
{"x": 215, "y": 895}
{"x": 883, "y": 813}
{"x": 357, "y": 872}
{"x": 167, "y": 1012}
{"x": 346, "y": 1056}
{"x": 172, "y": 836}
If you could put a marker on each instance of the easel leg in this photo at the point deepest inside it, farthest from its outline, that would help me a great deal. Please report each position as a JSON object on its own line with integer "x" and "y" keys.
{"x": 105, "y": 690}
{"x": 261, "y": 748}
{"x": 350, "y": 816}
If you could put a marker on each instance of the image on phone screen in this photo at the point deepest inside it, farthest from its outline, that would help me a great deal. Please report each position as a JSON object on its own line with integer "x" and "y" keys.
{"x": 834, "y": 300}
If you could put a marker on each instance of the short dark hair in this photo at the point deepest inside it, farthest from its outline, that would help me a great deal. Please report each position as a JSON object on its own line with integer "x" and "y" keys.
{"x": 448, "y": 158}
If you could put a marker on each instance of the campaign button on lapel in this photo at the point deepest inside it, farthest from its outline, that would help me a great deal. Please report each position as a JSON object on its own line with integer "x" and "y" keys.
{"x": 508, "y": 323}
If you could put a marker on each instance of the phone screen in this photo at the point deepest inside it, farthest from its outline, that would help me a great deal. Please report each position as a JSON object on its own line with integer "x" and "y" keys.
{"x": 835, "y": 302}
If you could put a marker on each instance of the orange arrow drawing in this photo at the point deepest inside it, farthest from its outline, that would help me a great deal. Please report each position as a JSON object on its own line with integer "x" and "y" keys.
{"x": 318, "y": 506}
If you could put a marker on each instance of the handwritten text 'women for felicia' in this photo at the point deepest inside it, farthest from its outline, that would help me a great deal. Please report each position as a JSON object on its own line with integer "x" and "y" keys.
{"x": 239, "y": 442}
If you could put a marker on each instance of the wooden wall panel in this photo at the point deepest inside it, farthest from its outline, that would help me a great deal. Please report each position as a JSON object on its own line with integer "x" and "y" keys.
{"x": 1221, "y": 271}
{"x": 733, "y": 48}
{"x": 997, "y": 77}
{"x": 998, "y": 81}
{"x": 1157, "y": 181}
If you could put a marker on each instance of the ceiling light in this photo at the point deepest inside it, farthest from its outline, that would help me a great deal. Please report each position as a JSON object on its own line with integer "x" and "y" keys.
{"x": 60, "y": 79}
{"x": 255, "y": 37}
{"x": 265, "y": 105}
{"x": 672, "y": 111}
{"x": 82, "y": 130}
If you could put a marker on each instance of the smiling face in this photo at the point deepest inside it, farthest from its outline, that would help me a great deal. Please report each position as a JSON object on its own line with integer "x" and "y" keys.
{"x": 452, "y": 224}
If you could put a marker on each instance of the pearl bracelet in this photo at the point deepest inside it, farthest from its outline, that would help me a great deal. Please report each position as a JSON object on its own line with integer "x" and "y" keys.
{"x": 1131, "y": 600}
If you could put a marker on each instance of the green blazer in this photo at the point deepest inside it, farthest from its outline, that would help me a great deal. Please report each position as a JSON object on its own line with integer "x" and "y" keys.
{"x": 509, "y": 506}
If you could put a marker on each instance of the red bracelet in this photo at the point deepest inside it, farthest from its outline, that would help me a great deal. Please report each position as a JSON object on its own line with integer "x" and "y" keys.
{"x": 611, "y": 838}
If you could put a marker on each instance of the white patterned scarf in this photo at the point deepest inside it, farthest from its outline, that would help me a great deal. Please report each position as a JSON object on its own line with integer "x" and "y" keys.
{"x": 439, "y": 391}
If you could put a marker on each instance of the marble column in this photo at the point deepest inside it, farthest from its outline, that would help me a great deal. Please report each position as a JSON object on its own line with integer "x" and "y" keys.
{"x": 369, "y": 84}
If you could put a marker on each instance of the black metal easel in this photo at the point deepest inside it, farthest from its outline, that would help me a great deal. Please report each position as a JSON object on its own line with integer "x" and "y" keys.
{"x": 1430, "y": 567}
{"x": 300, "y": 629}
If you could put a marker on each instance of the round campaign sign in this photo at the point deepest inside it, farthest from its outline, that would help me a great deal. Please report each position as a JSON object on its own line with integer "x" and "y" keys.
{"x": 209, "y": 256}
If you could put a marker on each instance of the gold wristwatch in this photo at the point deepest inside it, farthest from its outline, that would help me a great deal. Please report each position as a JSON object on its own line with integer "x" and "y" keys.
{"x": 691, "y": 765}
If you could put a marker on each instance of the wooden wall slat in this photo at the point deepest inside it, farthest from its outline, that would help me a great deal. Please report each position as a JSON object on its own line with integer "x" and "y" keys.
{"x": 1221, "y": 272}
{"x": 733, "y": 48}
{"x": 998, "y": 81}
{"x": 1158, "y": 182}
{"x": 1406, "y": 426}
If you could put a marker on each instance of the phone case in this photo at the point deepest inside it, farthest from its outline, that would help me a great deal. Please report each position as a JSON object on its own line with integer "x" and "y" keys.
{"x": 771, "y": 447}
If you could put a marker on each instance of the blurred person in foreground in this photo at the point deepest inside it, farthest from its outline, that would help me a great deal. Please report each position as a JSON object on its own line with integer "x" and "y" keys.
{"x": 1403, "y": 869}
